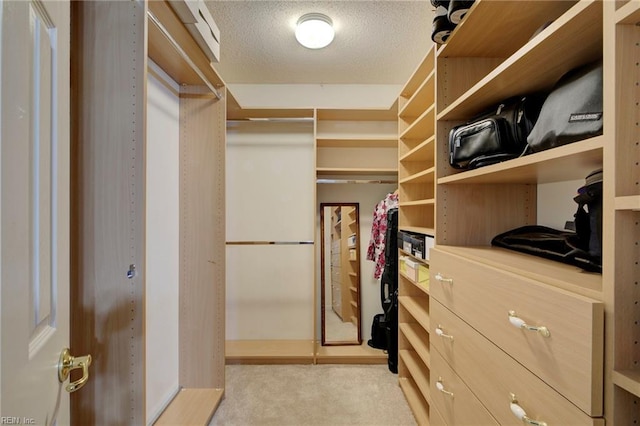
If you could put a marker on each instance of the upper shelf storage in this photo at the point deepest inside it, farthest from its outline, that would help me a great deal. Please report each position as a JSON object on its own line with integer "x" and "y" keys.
{"x": 510, "y": 29}
{"x": 573, "y": 39}
{"x": 358, "y": 142}
{"x": 164, "y": 53}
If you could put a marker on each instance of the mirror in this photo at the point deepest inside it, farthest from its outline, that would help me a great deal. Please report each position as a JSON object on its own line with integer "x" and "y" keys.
{"x": 340, "y": 274}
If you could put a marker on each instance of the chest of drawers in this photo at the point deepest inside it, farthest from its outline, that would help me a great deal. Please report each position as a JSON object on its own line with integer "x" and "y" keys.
{"x": 553, "y": 334}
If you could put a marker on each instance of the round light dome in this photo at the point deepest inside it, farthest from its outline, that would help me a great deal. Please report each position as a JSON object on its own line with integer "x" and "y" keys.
{"x": 314, "y": 30}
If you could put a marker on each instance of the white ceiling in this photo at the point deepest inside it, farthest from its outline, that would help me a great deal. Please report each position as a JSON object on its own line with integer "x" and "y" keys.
{"x": 376, "y": 42}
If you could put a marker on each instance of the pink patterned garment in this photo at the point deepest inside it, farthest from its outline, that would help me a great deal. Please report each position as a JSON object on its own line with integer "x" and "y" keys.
{"x": 375, "y": 251}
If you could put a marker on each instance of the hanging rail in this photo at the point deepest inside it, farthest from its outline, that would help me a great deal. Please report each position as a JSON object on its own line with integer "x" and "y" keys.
{"x": 183, "y": 54}
{"x": 337, "y": 181}
{"x": 263, "y": 243}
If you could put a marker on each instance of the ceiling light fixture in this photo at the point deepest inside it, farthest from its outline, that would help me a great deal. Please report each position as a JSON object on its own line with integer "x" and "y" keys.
{"x": 314, "y": 30}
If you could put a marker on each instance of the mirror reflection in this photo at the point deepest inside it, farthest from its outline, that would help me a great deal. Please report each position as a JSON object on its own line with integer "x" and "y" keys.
{"x": 340, "y": 274}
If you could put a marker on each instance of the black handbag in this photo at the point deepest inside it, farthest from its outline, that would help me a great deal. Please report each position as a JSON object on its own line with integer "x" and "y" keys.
{"x": 496, "y": 135}
{"x": 572, "y": 111}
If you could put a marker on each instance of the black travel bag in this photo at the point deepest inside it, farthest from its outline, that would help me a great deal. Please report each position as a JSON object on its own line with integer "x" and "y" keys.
{"x": 581, "y": 247}
{"x": 496, "y": 135}
{"x": 572, "y": 111}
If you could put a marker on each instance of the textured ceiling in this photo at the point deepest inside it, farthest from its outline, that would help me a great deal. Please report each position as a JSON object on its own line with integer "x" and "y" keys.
{"x": 376, "y": 42}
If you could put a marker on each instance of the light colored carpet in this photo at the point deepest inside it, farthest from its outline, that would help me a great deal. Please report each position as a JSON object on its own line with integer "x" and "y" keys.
{"x": 312, "y": 395}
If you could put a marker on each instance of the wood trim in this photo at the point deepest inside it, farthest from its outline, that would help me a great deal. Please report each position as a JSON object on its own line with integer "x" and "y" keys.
{"x": 191, "y": 407}
{"x": 269, "y": 351}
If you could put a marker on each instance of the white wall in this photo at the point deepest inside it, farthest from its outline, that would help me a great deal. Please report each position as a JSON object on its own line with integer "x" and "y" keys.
{"x": 367, "y": 195}
{"x": 269, "y": 197}
{"x": 351, "y": 96}
{"x": 162, "y": 246}
{"x": 555, "y": 203}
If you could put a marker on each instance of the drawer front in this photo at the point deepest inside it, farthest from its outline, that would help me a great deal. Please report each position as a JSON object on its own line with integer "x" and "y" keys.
{"x": 460, "y": 409}
{"x": 570, "y": 359}
{"x": 493, "y": 376}
{"x": 435, "y": 419}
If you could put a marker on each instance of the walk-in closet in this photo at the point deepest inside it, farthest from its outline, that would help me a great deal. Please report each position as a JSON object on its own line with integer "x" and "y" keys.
{"x": 428, "y": 215}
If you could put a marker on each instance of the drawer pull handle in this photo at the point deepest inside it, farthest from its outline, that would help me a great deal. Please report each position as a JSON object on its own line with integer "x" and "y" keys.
{"x": 519, "y": 412}
{"x": 440, "y": 332}
{"x": 519, "y": 323}
{"x": 442, "y": 279}
{"x": 440, "y": 387}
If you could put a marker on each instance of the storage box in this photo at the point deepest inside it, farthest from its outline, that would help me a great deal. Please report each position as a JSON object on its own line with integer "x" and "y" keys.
{"x": 352, "y": 254}
{"x": 351, "y": 242}
{"x": 414, "y": 270}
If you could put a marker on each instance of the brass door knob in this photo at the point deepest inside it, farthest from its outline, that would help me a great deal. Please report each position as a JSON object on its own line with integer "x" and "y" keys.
{"x": 67, "y": 363}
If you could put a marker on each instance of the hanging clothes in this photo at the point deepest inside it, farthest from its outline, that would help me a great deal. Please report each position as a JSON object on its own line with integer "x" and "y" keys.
{"x": 375, "y": 251}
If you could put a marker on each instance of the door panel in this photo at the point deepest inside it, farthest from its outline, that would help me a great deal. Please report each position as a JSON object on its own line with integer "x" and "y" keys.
{"x": 34, "y": 227}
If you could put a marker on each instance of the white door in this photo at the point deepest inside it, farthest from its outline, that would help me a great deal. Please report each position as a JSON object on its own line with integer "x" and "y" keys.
{"x": 34, "y": 214}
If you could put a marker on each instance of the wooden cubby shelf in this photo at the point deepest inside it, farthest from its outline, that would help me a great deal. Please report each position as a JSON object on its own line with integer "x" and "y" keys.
{"x": 420, "y": 101}
{"x": 422, "y": 127}
{"x": 418, "y": 229}
{"x": 427, "y": 175}
{"x": 572, "y": 40}
{"x": 422, "y": 152}
{"x": 629, "y": 14}
{"x": 628, "y": 380}
{"x": 422, "y": 288}
{"x": 630, "y": 202}
{"x": 419, "y": 406}
{"x": 417, "y": 311}
{"x": 418, "y": 371}
{"x": 419, "y": 340}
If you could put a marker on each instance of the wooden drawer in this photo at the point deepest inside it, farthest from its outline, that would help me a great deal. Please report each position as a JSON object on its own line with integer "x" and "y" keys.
{"x": 435, "y": 418}
{"x": 570, "y": 359}
{"x": 493, "y": 376}
{"x": 461, "y": 408}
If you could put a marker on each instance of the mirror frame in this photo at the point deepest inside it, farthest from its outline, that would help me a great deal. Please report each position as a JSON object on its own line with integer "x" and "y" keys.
{"x": 323, "y": 277}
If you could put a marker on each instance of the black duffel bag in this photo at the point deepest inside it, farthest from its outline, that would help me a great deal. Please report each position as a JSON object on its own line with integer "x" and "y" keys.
{"x": 495, "y": 135}
{"x": 572, "y": 111}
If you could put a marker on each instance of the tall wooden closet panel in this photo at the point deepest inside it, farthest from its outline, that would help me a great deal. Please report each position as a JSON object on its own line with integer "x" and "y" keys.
{"x": 622, "y": 218}
{"x": 270, "y": 240}
{"x": 108, "y": 208}
{"x": 110, "y": 43}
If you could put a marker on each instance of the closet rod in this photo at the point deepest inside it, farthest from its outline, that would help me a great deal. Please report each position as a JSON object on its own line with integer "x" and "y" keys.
{"x": 263, "y": 243}
{"x": 322, "y": 181}
{"x": 183, "y": 54}
{"x": 279, "y": 119}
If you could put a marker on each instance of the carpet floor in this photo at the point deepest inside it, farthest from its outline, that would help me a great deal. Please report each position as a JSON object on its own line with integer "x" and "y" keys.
{"x": 312, "y": 395}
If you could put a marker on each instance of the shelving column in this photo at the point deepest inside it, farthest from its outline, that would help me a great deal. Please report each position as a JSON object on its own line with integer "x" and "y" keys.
{"x": 622, "y": 188}
{"x": 416, "y": 192}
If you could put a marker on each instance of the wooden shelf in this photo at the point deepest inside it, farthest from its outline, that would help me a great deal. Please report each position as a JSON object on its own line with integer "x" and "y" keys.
{"x": 416, "y": 402}
{"x": 418, "y": 229}
{"x": 344, "y": 171}
{"x": 350, "y": 354}
{"x": 357, "y": 114}
{"x": 421, "y": 287}
{"x": 418, "y": 312}
{"x": 427, "y": 175}
{"x": 428, "y": 202}
{"x": 191, "y": 407}
{"x": 567, "y": 162}
{"x": 422, "y": 152}
{"x": 510, "y": 28}
{"x": 167, "y": 57}
{"x": 417, "y": 259}
{"x": 629, "y": 13}
{"x": 412, "y": 333}
{"x": 357, "y": 142}
{"x": 628, "y": 380}
{"x": 421, "y": 73}
{"x": 572, "y": 40}
{"x": 631, "y": 202}
{"x": 354, "y": 289}
{"x": 269, "y": 351}
{"x": 417, "y": 371}
{"x": 423, "y": 127}
{"x": 420, "y": 101}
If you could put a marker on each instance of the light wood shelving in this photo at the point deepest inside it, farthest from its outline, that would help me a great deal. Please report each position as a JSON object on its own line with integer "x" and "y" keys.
{"x": 416, "y": 213}
{"x": 344, "y": 270}
{"x": 621, "y": 223}
{"x": 356, "y": 143}
{"x": 478, "y": 68}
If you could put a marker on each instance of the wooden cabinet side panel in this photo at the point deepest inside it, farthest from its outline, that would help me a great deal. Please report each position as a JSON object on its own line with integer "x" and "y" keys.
{"x": 108, "y": 87}
{"x": 202, "y": 241}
